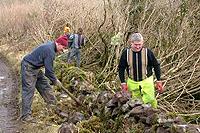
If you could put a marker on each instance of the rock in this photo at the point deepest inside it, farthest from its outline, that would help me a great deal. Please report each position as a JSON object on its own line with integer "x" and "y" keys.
{"x": 161, "y": 130}
{"x": 136, "y": 110}
{"x": 142, "y": 119}
{"x": 179, "y": 120}
{"x": 149, "y": 110}
{"x": 134, "y": 103}
{"x": 76, "y": 117}
{"x": 138, "y": 116}
{"x": 116, "y": 112}
{"x": 165, "y": 122}
{"x": 124, "y": 97}
{"x": 96, "y": 112}
{"x": 151, "y": 119}
{"x": 186, "y": 128}
{"x": 118, "y": 95}
{"x": 103, "y": 97}
{"x": 112, "y": 103}
{"x": 63, "y": 115}
{"x": 132, "y": 120}
{"x": 151, "y": 129}
{"x": 67, "y": 128}
{"x": 178, "y": 128}
{"x": 125, "y": 108}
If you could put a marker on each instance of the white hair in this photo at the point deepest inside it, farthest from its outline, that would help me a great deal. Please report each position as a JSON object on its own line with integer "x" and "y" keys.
{"x": 136, "y": 37}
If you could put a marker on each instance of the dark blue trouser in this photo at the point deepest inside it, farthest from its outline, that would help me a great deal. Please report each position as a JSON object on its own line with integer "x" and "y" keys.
{"x": 34, "y": 78}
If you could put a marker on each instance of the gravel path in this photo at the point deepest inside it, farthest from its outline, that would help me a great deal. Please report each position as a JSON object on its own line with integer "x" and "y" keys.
{"x": 9, "y": 110}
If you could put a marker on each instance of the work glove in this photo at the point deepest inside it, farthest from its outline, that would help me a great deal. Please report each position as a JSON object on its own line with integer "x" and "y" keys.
{"x": 58, "y": 83}
{"x": 159, "y": 86}
{"x": 124, "y": 87}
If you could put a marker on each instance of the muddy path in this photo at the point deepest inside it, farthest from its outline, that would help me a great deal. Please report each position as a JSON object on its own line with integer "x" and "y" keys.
{"x": 9, "y": 109}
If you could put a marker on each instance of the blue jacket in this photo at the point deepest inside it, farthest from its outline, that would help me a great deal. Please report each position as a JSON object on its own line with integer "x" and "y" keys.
{"x": 43, "y": 56}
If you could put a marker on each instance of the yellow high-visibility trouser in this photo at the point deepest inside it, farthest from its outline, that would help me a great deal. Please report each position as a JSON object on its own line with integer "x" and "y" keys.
{"x": 147, "y": 92}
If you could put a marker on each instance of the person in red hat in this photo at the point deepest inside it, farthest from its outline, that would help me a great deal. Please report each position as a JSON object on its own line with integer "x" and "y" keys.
{"x": 33, "y": 77}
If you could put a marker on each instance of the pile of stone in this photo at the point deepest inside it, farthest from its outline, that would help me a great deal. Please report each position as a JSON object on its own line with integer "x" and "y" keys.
{"x": 152, "y": 120}
{"x": 135, "y": 115}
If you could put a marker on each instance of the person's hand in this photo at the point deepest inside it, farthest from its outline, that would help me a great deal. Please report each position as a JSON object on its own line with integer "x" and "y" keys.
{"x": 159, "y": 86}
{"x": 124, "y": 87}
{"x": 58, "y": 83}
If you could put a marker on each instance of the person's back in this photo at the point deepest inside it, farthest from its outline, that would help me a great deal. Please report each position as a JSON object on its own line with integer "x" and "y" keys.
{"x": 78, "y": 39}
{"x": 78, "y": 42}
{"x": 38, "y": 56}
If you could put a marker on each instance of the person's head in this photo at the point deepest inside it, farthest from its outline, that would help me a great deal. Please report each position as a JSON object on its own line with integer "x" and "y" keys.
{"x": 80, "y": 31}
{"x": 61, "y": 43}
{"x": 66, "y": 29}
{"x": 136, "y": 41}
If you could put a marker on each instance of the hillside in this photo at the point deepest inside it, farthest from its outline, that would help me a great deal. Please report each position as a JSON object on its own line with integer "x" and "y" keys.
{"x": 170, "y": 28}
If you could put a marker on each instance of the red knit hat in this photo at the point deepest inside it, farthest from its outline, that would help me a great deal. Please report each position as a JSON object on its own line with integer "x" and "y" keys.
{"x": 62, "y": 40}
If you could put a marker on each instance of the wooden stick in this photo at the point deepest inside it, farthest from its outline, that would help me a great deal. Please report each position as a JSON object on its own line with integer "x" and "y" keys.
{"x": 71, "y": 95}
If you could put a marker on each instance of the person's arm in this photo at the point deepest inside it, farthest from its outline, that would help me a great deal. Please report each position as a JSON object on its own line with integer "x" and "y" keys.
{"x": 155, "y": 64}
{"x": 83, "y": 40}
{"x": 157, "y": 70}
{"x": 123, "y": 66}
{"x": 48, "y": 64}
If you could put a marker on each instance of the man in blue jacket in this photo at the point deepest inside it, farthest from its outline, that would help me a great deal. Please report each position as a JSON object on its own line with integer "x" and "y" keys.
{"x": 33, "y": 77}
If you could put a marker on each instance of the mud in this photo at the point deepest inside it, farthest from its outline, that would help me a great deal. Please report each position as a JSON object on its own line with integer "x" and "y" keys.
{"x": 9, "y": 109}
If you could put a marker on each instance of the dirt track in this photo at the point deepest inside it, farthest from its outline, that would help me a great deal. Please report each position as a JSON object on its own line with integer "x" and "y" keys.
{"x": 9, "y": 110}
